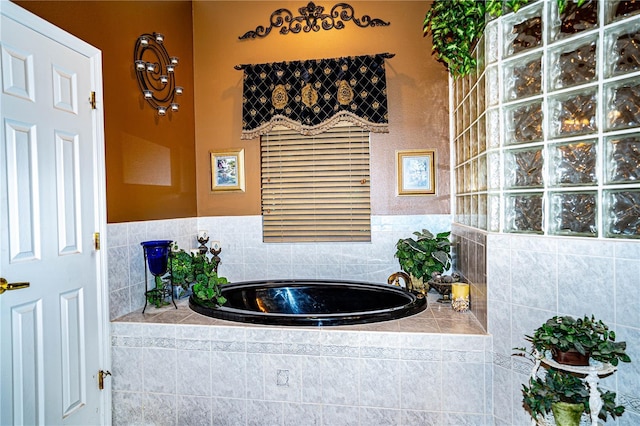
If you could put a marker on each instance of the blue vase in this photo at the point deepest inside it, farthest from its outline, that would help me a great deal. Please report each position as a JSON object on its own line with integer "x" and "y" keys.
{"x": 157, "y": 253}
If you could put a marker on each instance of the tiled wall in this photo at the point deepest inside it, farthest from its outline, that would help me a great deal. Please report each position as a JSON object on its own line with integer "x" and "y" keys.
{"x": 532, "y": 278}
{"x": 199, "y": 375}
{"x": 245, "y": 257}
{"x": 469, "y": 259}
{"x": 126, "y": 259}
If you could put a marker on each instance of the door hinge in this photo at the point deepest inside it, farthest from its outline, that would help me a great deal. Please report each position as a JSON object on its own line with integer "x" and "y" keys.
{"x": 101, "y": 375}
{"x": 92, "y": 100}
{"x": 96, "y": 240}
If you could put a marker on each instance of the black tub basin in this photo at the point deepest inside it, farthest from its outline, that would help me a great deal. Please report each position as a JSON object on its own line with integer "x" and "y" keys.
{"x": 311, "y": 303}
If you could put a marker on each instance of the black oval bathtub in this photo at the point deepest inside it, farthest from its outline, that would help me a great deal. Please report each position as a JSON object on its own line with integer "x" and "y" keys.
{"x": 311, "y": 303}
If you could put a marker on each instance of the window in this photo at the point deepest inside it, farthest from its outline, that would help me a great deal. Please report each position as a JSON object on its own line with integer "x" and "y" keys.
{"x": 316, "y": 188}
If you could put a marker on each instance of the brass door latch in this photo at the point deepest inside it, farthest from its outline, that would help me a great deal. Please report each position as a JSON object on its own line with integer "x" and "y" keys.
{"x": 101, "y": 375}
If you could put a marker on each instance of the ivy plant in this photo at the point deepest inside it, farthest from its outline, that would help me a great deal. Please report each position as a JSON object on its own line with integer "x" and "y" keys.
{"x": 456, "y": 26}
{"x": 558, "y": 386}
{"x": 197, "y": 270}
{"x": 207, "y": 287}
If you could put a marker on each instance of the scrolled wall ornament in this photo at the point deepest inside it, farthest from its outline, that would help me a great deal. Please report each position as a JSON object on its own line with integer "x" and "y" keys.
{"x": 313, "y": 18}
{"x": 154, "y": 70}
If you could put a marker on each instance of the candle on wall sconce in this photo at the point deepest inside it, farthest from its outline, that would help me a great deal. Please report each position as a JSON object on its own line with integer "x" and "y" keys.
{"x": 460, "y": 297}
{"x": 202, "y": 234}
{"x": 155, "y": 73}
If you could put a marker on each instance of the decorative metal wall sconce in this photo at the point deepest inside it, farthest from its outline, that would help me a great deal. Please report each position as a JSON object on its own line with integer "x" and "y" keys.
{"x": 155, "y": 73}
{"x": 312, "y": 18}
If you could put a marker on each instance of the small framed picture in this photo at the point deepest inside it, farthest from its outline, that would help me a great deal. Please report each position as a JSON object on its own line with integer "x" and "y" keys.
{"x": 416, "y": 172}
{"x": 227, "y": 170}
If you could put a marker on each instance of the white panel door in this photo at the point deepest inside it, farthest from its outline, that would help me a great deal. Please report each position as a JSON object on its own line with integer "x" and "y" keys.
{"x": 52, "y": 334}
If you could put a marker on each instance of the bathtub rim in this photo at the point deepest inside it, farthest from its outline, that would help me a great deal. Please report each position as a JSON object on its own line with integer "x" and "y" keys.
{"x": 413, "y": 306}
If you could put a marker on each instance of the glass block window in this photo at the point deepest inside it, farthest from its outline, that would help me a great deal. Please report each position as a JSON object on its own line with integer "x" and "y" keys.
{"x": 547, "y": 130}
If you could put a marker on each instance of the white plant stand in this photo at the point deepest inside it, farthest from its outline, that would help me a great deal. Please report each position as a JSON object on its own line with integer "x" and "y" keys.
{"x": 591, "y": 373}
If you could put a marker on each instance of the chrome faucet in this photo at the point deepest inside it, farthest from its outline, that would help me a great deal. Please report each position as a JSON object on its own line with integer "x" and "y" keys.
{"x": 394, "y": 279}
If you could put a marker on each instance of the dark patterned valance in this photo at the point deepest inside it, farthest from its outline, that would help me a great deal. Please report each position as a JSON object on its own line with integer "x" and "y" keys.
{"x": 314, "y": 95}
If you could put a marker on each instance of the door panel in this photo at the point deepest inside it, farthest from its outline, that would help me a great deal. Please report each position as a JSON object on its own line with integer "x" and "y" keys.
{"x": 51, "y": 333}
{"x": 68, "y": 191}
{"x": 22, "y": 191}
{"x": 74, "y": 377}
{"x": 27, "y": 388}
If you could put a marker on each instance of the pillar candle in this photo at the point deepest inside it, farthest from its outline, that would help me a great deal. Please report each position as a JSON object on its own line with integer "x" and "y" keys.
{"x": 460, "y": 297}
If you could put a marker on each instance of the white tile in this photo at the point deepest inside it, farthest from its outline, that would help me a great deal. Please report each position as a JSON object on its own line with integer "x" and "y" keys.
{"x": 194, "y": 369}
{"x": 378, "y": 374}
{"x": 296, "y": 414}
{"x": 160, "y": 409}
{"x": 228, "y": 372}
{"x": 463, "y": 387}
{"x": 229, "y": 411}
{"x": 117, "y": 234}
{"x": 421, "y": 385}
{"x": 340, "y": 381}
{"x": 159, "y": 370}
{"x": 338, "y": 415}
{"x": 261, "y": 413}
{"x": 194, "y": 411}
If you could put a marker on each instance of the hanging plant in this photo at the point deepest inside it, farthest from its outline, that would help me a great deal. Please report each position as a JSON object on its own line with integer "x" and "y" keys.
{"x": 456, "y": 26}
{"x": 562, "y": 5}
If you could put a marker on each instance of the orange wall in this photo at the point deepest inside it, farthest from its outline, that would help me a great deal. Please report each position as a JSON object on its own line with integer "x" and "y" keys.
{"x": 204, "y": 34}
{"x": 137, "y": 141}
{"x": 417, "y": 94}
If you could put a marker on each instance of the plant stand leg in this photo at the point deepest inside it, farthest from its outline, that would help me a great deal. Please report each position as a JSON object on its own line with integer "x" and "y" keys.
{"x": 146, "y": 280}
{"x": 595, "y": 402}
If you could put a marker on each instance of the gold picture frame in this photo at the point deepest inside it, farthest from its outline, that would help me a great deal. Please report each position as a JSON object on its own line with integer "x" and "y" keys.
{"x": 416, "y": 172}
{"x": 227, "y": 170}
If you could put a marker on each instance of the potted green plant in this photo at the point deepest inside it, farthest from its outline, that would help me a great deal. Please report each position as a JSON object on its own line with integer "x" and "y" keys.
{"x": 196, "y": 273}
{"x": 207, "y": 288}
{"x": 424, "y": 255}
{"x": 567, "y": 397}
{"x": 566, "y": 338}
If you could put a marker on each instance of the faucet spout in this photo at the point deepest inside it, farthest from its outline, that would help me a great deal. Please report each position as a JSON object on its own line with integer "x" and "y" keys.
{"x": 394, "y": 279}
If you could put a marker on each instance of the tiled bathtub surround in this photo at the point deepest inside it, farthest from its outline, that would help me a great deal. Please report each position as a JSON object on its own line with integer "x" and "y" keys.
{"x": 469, "y": 259}
{"x": 246, "y": 257}
{"x": 532, "y": 278}
{"x": 182, "y": 374}
{"x": 529, "y": 279}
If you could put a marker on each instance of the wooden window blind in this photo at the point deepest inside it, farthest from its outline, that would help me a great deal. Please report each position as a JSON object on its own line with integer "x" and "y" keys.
{"x": 316, "y": 188}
